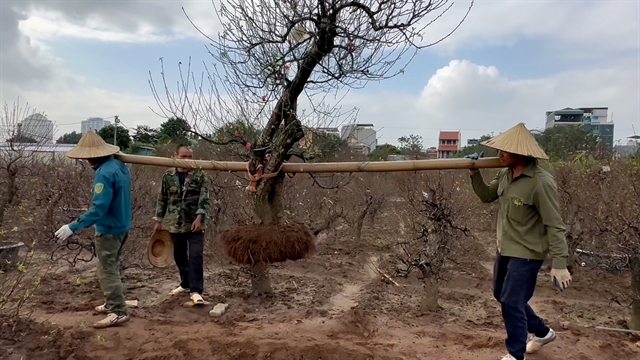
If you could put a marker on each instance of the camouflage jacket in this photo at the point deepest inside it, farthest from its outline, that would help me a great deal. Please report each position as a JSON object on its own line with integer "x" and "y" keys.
{"x": 182, "y": 206}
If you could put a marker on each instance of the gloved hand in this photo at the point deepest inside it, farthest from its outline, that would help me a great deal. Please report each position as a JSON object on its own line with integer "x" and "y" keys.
{"x": 560, "y": 278}
{"x": 64, "y": 232}
{"x": 475, "y": 156}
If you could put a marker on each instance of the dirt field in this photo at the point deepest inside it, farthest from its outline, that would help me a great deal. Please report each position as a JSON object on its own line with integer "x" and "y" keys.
{"x": 331, "y": 306}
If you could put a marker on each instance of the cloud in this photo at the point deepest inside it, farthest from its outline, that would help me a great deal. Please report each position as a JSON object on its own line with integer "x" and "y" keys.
{"x": 67, "y": 107}
{"x": 20, "y": 61}
{"x": 572, "y": 28}
{"x": 478, "y": 100}
{"x": 122, "y": 21}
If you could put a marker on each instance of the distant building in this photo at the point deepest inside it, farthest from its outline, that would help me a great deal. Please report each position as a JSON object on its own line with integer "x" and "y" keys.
{"x": 631, "y": 148}
{"x": 39, "y": 152}
{"x": 472, "y": 142}
{"x": 312, "y": 138}
{"x": 360, "y": 137}
{"x": 93, "y": 124}
{"x": 37, "y": 127}
{"x": 595, "y": 119}
{"x": 448, "y": 143}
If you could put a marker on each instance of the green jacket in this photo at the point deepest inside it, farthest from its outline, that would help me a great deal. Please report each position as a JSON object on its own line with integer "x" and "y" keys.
{"x": 529, "y": 221}
{"x": 182, "y": 206}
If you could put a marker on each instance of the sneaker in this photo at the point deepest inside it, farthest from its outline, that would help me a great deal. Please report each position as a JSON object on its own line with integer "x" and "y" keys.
{"x": 111, "y": 320}
{"x": 178, "y": 290}
{"x": 537, "y": 343}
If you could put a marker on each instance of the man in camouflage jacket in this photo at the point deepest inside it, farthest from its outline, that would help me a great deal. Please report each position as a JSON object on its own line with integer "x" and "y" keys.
{"x": 183, "y": 202}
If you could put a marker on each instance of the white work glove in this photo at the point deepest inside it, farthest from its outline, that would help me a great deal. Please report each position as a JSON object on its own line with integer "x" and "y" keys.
{"x": 560, "y": 278}
{"x": 64, "y": 232}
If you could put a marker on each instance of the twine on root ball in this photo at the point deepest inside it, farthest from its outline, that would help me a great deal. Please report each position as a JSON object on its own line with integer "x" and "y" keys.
{"x": 252, "y": 244}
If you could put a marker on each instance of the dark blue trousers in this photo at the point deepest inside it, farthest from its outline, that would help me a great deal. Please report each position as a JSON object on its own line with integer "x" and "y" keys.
{"x": 514, "y": 281}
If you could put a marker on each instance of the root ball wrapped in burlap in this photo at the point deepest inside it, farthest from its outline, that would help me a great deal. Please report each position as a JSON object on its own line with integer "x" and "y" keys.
{"x": 255, "y": 243}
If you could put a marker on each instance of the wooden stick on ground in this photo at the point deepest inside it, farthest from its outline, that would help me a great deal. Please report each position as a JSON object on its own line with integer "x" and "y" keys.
{"x": 335, "y": 167}
{"x": 386, "y": 276}
{"x": 636, "y": 332}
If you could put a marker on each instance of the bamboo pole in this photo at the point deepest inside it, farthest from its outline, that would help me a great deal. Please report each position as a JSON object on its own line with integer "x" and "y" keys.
{"x": 335, "y": 167}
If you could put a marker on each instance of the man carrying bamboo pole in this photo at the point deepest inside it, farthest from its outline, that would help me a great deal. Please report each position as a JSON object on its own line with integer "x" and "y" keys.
{"x": 529, "y": 226}
{"x": 185, "y": 198}
{"x": 110, "y": 214}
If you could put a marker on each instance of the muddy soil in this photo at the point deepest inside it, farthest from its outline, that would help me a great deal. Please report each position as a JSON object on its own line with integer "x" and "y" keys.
{"x": 334, "y": 305}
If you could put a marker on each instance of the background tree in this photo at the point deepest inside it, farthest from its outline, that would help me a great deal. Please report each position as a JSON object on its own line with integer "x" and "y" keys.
{"x": 273, "y": 53}
{"x": 15, "y": 158}
{"x": 145, "y": 134}
{"x": 69, "y": 138}
{"x": 412, "y": 146}
{"x": 382, "y": 152}
{"x": 478, "y": 148}
{"x": 123, "y": 139}
{"x": 564, "y": 142}
{"x": 175, "y": 129}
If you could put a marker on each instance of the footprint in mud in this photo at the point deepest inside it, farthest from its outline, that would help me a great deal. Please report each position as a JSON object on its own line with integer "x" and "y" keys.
{"x": 344, "y": 300}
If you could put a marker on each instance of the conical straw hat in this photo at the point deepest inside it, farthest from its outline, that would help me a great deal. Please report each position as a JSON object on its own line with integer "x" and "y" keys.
{"x": 517, "y": 140}
{"x": 91, "y": 145}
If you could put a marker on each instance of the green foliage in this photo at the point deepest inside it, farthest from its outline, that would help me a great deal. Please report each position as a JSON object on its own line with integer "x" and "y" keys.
{"x": 411, "y": 146}
{"x": 145, "y": 134}
{"x": 565, "y": 142}
{"x": 470, "y": 149}
{"x": 69, "y": 138}
{"x": 239, "y": 130}
{"x": 174, "y": 130}
{"x": 22, "y": 140}
{"x": 328, "y": 147}
{"x": 123, "y": 138}
{"x": 382, "y": 152}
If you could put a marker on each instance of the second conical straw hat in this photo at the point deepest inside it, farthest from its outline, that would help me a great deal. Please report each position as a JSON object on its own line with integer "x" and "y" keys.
{"x": 517, "y": 140}
{"x": 91, "y": 145}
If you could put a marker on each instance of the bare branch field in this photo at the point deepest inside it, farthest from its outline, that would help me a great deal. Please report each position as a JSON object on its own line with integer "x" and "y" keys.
{"x": 402, "y": 270}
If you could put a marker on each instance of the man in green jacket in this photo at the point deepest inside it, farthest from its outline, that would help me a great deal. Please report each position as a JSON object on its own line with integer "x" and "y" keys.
{"x": 184, "y": 199}
{"x": 529, "y": 226}
{"x": 110, "y": 215}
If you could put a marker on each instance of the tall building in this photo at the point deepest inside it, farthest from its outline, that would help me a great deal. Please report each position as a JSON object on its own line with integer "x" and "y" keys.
{"x": 37, "y": 127}
{"x": 362, "y": 136}
{"x": 448, "y": 143}
{"x": 595, "y": 119}
{"x": 93, "y": 124}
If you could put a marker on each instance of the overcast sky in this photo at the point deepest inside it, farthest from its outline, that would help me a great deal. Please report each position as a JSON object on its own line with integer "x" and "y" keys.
{"x": 509, "y": 62}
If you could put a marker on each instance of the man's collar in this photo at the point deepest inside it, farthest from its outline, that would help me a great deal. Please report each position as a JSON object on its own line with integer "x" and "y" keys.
{"x": 101, "y": 161}
{"x": 529, "y": 171}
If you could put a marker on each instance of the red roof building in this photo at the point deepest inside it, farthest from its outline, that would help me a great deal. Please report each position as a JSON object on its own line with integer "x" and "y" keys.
{"x": 448, "y": 143}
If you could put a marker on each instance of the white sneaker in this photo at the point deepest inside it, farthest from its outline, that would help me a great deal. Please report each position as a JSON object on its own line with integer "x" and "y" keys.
{"x": 178, "y": 290}
{"x": 111, "y": 320}
{"x": 537, "y": 343}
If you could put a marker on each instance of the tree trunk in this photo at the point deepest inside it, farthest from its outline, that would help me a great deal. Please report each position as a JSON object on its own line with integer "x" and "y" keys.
{"x": 267, "y": 209}
{"x": 8, "y": 198}
{"x": 430, "y": 290}
{"x": 260, "y": 280}
{"x": 634, "y": 262}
